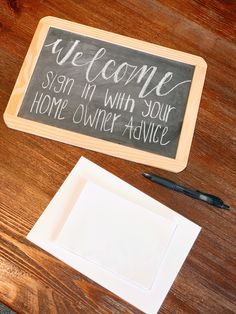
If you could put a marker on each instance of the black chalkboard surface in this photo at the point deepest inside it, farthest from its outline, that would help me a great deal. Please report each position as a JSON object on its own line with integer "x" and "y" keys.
{"x": 108, "y": 91}
{"x": 91, "y": 86}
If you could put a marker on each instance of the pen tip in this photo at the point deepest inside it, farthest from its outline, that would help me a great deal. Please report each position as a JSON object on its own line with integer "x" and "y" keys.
{"x": 146, "y": 175}
{"x": 224, "y": 206}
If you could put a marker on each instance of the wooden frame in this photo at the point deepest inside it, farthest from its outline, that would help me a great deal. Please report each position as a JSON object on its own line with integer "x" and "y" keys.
{"x": 172, "y": 164}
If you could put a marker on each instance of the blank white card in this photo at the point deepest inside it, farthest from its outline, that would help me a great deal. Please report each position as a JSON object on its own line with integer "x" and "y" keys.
{"x": 169, "y": 235}
{"x": 121, "y": 237}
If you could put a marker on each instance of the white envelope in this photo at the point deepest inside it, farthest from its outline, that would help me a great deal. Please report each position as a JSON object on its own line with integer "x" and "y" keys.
{"x": 145, "y": 293}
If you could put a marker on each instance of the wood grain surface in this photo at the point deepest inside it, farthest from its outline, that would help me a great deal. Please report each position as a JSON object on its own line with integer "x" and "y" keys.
{"x": 33, "y": 168}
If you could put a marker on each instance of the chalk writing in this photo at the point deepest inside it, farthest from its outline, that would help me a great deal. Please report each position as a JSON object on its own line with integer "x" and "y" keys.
{"x": 108, "y": 91}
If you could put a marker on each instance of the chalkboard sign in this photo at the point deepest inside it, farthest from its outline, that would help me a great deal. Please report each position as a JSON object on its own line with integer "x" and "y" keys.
{"x": 109, "y": 93}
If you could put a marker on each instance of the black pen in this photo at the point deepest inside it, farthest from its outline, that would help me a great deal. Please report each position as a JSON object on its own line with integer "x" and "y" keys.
{"x": 208, "y": 198}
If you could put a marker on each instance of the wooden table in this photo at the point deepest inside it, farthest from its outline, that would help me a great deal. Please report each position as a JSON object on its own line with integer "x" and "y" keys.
{"x": 33, "y": 168}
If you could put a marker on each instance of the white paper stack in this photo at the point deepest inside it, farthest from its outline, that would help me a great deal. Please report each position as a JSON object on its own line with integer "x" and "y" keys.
{"x": 116, "y": 235}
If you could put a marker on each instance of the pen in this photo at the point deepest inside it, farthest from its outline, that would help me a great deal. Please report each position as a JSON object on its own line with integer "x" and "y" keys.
{"x": 208, "y": 198}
